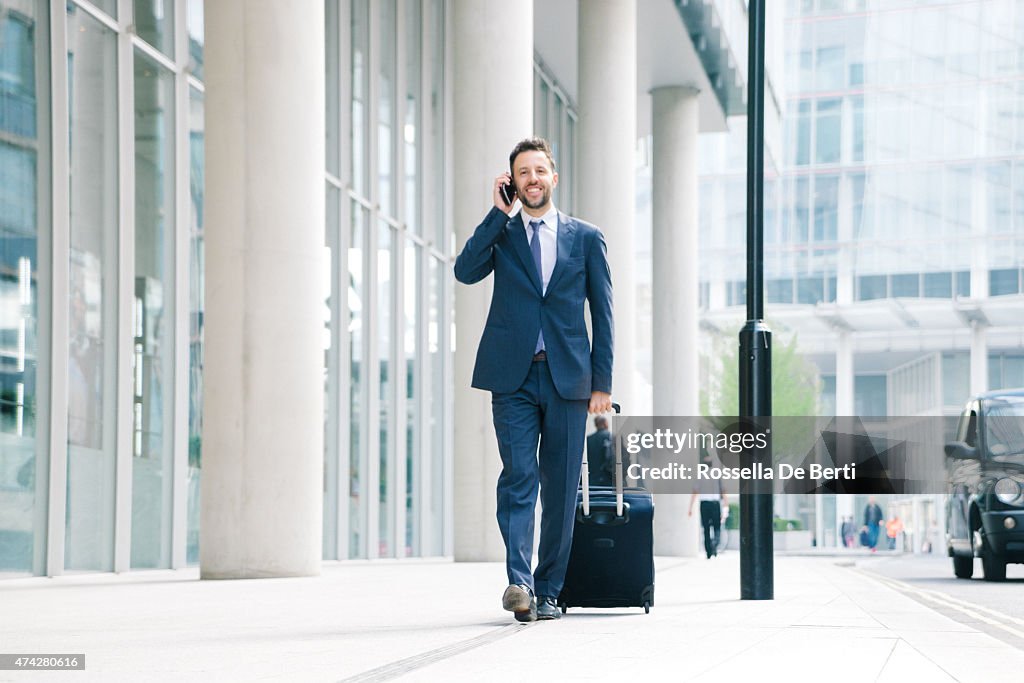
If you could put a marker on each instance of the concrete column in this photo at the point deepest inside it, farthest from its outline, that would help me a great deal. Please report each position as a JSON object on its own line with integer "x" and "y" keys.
{"x": 979, "y": 358}
{"x": 675, "y": 292}
{"x": 845, "y": 374}
{"x": 607, "y": 159}
{"x": 492, "y": 40}
{"x": 262, "y": 493}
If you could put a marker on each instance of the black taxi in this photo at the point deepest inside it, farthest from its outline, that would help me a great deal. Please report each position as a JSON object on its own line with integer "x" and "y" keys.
{"x": 985, "y": 466}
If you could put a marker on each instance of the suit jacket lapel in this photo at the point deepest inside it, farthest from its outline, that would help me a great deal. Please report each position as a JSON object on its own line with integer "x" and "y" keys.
{"x": 566, "y": 236}
{"x": 517, "y": 235}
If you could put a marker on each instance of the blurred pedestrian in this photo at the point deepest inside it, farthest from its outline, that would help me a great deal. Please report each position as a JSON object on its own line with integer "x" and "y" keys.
{"x": 892, "y": 531}
{"x": 846, "y": 531}
{"x": 873, "y": 521}
{"x": 712, "y": 500}
{"x": 600, "y": 457}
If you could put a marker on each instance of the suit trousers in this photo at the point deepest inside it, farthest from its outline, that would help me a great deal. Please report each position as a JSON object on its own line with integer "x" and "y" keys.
{"x": 535, "y": 410}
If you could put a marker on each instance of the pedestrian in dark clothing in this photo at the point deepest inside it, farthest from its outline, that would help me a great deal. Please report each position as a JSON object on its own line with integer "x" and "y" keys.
{"x": 712, "y": 499}
{"x": 873, "y": 521}
{"x": 599, "y": 454}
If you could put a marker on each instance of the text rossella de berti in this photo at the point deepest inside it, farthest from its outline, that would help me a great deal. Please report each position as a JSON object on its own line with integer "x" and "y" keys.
{"x": 667, "y": 441}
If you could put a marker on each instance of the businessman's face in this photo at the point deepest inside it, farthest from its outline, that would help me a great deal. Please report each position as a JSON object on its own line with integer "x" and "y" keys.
{"x": 535, "y": 179}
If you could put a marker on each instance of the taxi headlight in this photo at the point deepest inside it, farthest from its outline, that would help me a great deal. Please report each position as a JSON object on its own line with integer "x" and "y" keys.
{"x": 1007, "y": 490}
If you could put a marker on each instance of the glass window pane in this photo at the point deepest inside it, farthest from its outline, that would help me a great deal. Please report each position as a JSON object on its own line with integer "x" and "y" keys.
{"x": 360, "y": 91}
{"x": 332, "y": 74}
{"x": 830, "y": 67}
{"x": 810, "y": 290}
{"x": 411, "y": 288}
{"x": 906, "y": 285}
{"x": 826, "y": 208}
{"x": 871, "y": 287}
{"x": 938, "y": 285}
{"x": 411, "y": 132}
{"x": 801, "y": 134}
{"x": 828, "y": 132}
{"x": 779, "y": 291}
{"x": 541, "y": 109}
{"x": 1013, "y": 371}
{"x": 93, "y": 267}
{"x": 568, "y": 183}
{"x": 436, "y": 343}
{"x": 386, "y": 408}
{"x": 436, "y": 173}
{"x": 197, "y": 256}
{"x": 196, "y": 33}
{"x": 153, "y": 321}
{"x": 869, "y": 396}
{"x": 24, "y": 196}
{"x": 956, "y": 378}
{"x": 557, "y": 131}
{"x": 1003, "y": 281}
{"x": 332, "y": 375}
{"x": 963, "y": 283}
{"x": 154, "y": 22}
{"x": 857, "y": 105}
{"x": 355, "y": 302}
{"x": 386, "y": 107}
{"x": 798, "y": 229}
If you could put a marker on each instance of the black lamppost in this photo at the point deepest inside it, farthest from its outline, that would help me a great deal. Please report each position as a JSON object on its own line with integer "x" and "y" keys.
{"x": 756, "y": 568}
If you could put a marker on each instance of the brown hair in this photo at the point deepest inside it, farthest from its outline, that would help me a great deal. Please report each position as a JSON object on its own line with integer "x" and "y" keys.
{"x": 533, "y": 144}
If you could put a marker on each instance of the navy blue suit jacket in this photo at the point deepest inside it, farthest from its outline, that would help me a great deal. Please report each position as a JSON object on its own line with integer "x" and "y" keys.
{"x": 519, "y": 309}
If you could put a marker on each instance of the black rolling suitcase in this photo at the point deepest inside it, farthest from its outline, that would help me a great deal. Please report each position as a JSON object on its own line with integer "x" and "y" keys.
{"x": 611, "y": 563}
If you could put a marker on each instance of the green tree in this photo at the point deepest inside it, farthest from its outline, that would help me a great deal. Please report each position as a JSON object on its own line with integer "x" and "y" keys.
{"x": 795, "y": 391}
{"x": 795, "y": 383}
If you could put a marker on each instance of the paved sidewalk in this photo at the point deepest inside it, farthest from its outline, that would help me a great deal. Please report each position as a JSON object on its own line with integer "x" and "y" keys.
{"x": 431, "y": 621}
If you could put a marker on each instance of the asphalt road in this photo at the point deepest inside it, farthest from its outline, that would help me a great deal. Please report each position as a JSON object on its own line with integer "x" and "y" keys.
{"x": 996, "y": 608}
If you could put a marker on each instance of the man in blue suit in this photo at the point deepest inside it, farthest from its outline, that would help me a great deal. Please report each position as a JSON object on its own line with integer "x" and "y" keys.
{"x": 539, "y": 365}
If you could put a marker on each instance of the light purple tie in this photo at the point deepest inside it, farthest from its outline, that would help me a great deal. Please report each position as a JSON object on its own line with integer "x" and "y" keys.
{"x": 535, "y": 251}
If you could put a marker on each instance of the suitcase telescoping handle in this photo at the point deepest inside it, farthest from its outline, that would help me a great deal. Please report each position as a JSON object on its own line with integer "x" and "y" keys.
{"x": 618, "y": 477}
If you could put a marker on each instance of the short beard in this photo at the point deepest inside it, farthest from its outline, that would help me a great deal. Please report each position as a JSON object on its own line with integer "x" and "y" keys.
{"x": 545, "y": 197}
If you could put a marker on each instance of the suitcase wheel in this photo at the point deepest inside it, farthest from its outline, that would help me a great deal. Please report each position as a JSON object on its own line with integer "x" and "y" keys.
{"x": 565, "y": 608}
{"x": 647, "y": 608}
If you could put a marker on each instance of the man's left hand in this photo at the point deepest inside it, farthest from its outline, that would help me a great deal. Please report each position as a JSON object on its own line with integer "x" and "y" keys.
{"x": 600, "y": 402}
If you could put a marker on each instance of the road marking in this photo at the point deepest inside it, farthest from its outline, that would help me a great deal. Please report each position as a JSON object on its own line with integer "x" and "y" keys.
{"x": 997, "y": 619}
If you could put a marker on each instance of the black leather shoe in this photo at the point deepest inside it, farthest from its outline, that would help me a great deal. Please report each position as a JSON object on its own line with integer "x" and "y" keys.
{"x": 519, "y": 600}
{"x": 547, "y": 608}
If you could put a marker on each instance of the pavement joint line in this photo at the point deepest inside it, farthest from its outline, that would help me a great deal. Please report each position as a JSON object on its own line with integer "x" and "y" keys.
{"x": 892, "y": 649}
{"x": 948, "y": 602}
{"x": 770, "y": 632}
{"x": 401, "y": 667}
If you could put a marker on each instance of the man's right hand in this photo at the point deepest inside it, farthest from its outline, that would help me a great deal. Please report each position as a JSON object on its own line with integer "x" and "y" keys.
{"x": 498, "y": 201}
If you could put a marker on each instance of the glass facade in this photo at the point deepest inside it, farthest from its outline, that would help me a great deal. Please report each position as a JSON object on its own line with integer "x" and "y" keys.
{"x": 153, "y": 315}
{"x": 898, "y": 187}
{"x": 554, "y": 118}
{"x": 94, "y": 222}
{"x": 25, "y": 186}
{"x": 385, "y": 170}
{"x": 125, "y": 327}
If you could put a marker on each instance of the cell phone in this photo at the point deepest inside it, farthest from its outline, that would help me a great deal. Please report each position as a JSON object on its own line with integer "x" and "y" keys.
{"x": 508, "y": 192}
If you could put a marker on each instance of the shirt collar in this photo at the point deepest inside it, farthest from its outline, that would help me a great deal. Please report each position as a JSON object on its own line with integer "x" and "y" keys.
{"x": 550, "y": 219}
